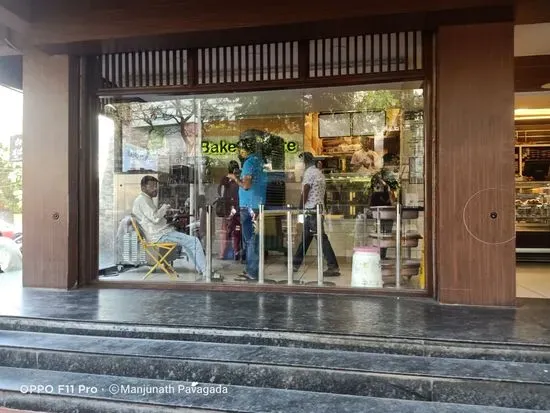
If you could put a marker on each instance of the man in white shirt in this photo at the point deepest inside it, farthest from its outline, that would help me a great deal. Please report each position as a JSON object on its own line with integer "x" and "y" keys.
{"x": 313, "y": 193}
{"x": 365, "y": 160}
{"x": 156, "y": 228}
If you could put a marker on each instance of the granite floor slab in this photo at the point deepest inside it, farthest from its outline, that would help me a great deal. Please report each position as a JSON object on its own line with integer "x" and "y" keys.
{"x": 23, "y": 383}
{"x": 269, "y": 355}
{"x": 330, "y": 314}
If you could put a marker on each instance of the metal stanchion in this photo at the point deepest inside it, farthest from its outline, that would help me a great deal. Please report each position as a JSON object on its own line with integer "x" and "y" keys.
{"x": 261, "y": 253}
{"x": 289, "y": 248}
{"x": 319, "y": 246}
{"x": 209, "y": 243}
{"x": 398, "y": 247}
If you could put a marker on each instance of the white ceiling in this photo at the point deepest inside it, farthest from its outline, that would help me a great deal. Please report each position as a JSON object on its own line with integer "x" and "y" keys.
{"x": 532, "y": 39}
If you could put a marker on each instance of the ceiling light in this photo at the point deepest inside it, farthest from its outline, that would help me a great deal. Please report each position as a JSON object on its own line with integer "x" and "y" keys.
{"x": 546, "y": 86}
{"x": 532, "y": 114}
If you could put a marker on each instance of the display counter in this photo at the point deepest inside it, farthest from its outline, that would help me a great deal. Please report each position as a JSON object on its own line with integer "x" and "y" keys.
{"x": 533, "y": 220}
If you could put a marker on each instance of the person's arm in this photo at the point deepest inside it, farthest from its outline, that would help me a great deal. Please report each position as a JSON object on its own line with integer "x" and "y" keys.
{"x": 245, "y": 182}
{"x": 305, "y": 195}
{"x": 143, "y": 209}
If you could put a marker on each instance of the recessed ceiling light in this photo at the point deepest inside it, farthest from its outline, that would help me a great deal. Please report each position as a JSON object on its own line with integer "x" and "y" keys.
{"x": 546, "y": 86}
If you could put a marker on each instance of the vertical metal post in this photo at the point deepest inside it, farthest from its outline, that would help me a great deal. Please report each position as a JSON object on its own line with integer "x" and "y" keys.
{"x": 261, "y": 244}
{"x": 319, "y": 246}
{"x": 378, "y": 228}
{"x": 208, "y": 243}
{"x": 398, "y": 248}
{"x": 289, "y": 254}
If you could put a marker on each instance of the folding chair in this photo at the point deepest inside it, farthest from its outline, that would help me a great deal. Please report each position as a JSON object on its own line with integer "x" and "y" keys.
{"x": 158, "y": 251}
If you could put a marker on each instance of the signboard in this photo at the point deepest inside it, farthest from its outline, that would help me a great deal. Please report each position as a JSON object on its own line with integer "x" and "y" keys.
{"x": 137, "y": 158}
{"x": 16, "y": 148}
{"x": 334, "y": 125}
{"x": 224, "y": 147}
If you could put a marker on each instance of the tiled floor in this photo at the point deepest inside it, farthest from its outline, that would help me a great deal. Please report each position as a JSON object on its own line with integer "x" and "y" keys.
{"x": 276, "y": 270}
{"x": 533, "y": 280}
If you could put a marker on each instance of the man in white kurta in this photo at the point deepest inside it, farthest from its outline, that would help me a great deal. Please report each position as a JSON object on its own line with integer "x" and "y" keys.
{"x": 156, "y": 228}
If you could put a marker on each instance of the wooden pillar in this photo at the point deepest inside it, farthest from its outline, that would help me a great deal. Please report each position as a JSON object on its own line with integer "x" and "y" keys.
{"x": 475, "y": 244}
{"x": 50, "y": 173}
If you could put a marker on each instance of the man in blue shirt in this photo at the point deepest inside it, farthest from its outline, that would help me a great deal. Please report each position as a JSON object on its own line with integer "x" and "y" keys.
{"x": 252, "y": 193}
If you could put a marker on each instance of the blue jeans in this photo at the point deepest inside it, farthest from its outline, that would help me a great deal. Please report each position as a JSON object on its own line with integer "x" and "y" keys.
{"x": 250, "y": 240}
{"x": 190, "y": 245}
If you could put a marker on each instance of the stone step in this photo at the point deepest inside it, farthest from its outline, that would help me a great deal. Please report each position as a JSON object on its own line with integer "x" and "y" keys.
{"x": 504, "y": 351}
{"x": 69, "y": 392}
{"x": 465, "y": 381}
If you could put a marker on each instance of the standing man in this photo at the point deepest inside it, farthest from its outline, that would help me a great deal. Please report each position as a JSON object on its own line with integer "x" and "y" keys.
{"x": 252, "y": 193}
{"x": 156, "y": 229}
{"x": 313, "y": 193}
{"x": 365, "y": 160}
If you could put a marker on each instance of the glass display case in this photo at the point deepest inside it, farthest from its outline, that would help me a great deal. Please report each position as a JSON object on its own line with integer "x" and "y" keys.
{"x": 533, "y": 206}
{"x": 346, "y": 193}
{"x": 533, "y": 218}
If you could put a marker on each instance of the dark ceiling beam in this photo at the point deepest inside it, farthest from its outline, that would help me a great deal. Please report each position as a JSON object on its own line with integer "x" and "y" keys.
{"x": 531, "y": 72}
{"x": 532, "y": 11}
{"x": 289, "y": 32}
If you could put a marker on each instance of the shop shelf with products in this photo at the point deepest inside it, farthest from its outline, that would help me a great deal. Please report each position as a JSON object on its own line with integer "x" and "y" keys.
{"x": 346, "y": 193}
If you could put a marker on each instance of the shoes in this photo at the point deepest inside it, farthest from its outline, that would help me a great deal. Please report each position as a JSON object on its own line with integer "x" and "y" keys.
{"x": 332, "y": 272}
{"x": 245, "y": 277}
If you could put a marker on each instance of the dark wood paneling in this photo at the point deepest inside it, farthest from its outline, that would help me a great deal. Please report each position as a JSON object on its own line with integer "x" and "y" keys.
{"x": 531, "y": 72}
{"x": 475, "y": 253}
{"x": 47, "y": 206}
{"x": 271, "y": 33}
{"x": 88, "y": 175}
{"x": 267, "y": 85}
{"x": 123, "y": 25}
{"x": 73, "y": 155}
{"x": 430, "y": 145}
{"x": 532, "y": 11}
{"x": 60, "y": 21}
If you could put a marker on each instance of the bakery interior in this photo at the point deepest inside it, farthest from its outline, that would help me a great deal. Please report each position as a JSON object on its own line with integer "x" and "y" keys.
{"x": 330, "y": 123}
{"x": 532, "y": 168}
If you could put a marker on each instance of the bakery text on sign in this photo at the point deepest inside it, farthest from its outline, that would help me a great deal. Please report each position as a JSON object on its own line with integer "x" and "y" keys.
{"x": 223, "y": 147}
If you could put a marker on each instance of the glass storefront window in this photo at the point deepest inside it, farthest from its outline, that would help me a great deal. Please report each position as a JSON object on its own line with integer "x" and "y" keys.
{"x": 532, "y": 166}
{"x": 11, "y": 186}
{"x": 359, "y": 149}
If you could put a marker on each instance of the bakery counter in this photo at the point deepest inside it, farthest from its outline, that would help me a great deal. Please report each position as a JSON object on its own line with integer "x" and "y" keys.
{"x": 533, "y": 221}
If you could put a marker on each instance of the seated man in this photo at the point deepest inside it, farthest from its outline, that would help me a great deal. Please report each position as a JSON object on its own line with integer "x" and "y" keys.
{"x": 156, "y": 228}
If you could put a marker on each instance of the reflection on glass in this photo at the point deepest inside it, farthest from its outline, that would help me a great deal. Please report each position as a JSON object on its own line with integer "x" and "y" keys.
{"x": 365, "y": 149}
